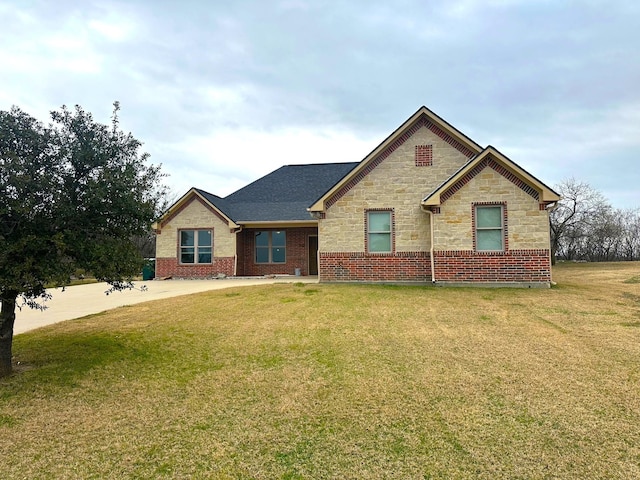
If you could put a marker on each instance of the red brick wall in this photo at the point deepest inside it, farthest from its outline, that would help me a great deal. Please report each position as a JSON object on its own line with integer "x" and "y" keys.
{"x": 526, "y": 266}
{"x": 297, "y": 253}
{"x": 358, "y": 266}
{"x": 518, "y": 266}
{"x": 169, "y": 267}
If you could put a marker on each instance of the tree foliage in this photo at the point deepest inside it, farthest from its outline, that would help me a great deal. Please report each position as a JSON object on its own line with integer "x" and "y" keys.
{"x": 72, "y": 196}
{"x": 584, "y": 226}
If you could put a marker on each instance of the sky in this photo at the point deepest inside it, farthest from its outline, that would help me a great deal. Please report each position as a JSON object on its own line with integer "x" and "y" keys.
{"x": 222, "y": 92}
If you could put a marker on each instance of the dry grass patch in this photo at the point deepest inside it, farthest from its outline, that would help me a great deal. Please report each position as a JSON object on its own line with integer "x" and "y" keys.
{"x": 338, "y": 381}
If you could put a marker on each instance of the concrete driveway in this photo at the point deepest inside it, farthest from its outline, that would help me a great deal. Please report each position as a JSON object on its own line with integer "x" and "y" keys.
{"x": 82, "y": 300}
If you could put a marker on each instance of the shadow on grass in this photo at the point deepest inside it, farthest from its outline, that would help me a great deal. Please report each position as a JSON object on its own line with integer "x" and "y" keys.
{"x": 63, "y": 360}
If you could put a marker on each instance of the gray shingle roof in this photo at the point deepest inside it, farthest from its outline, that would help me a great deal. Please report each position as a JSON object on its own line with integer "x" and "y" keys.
{"x": 282, "y": 195}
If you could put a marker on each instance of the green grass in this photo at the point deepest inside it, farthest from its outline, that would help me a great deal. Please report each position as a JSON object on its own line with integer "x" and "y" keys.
{"x": 634, "y": 279}
{"x": 337, "y": 381}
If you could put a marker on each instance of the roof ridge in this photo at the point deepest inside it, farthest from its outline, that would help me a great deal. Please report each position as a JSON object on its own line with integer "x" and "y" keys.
{"x": 200, "y": 190}
{"x": 314, "y": 164}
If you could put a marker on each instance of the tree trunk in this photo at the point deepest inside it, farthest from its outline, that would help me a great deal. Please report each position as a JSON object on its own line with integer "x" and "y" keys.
{"x": 7, "y": 319}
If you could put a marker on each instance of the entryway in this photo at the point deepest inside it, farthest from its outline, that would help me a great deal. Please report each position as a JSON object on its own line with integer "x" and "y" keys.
{"x": 313, "y": 254}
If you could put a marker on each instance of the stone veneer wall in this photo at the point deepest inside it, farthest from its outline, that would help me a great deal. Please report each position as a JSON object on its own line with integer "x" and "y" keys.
{"x": 192, "y": 216}
{"x": 395, "y": 183}
{"x": 527, "y": 223}
{"x": 399, "y": 184}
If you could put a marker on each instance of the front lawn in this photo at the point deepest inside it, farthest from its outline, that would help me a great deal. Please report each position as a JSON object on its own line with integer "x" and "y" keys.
{"x": 337, "y": 381}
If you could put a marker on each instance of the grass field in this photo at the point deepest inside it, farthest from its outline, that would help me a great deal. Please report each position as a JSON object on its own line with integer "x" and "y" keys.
{"x": 338, "y": 381}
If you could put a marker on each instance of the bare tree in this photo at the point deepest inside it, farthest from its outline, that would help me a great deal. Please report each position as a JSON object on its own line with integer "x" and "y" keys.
{"x": 602, "y": 240}
{"x": 630, "y": 235}
{"x": 574, "y": 217}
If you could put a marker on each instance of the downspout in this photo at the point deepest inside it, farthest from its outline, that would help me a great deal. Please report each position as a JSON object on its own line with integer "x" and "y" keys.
{"x": 431, "y": 220}
{"x": 318, "y": 217}
{"x": 550, "y": 208}
{"x": 235, "y": 256}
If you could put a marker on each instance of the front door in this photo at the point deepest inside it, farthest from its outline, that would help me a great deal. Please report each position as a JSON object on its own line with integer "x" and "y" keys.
{"x": 313, "y": 254}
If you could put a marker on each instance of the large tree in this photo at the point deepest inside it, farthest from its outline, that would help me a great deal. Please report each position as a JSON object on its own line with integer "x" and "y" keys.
{"x": 73, "y": 194}
{"x": 574, "y": 216}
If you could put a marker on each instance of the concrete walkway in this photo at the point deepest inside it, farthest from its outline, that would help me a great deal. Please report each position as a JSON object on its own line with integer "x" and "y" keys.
{"x": 81, "y": 300}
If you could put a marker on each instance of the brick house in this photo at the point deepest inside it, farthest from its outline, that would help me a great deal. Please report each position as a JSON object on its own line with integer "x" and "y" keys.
{"x": 427, "y": 205}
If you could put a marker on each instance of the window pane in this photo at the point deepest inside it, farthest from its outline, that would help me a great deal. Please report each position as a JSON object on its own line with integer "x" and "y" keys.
{"x": 278, "y": 239}
{"x": 489, "y": 217}
{"x": 204, "y": 238}
{"x": 489, "y": 240}
{"x": 379, "y": 221}
{"x": 379, "y": 242}
{"x": 262, "y": 239}
{"x": 262, "y": 255}
{"x": 187, "y": 238}
{"x": 204, "y": 255}
{"x": 278, "y": 255}
{"x": 187, "y": 255}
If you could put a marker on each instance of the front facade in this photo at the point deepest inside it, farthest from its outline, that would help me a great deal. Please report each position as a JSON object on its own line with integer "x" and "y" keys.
{"x": 427, "y": 205}
{"x": 194, "y": 240}
{"x": 262, "y": 229}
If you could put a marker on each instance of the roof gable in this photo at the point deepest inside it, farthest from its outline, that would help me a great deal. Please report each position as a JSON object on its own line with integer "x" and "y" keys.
{"x": 492, "y": 158}
{"x": 194, "y": 194}
{"x": 422, "y": 118}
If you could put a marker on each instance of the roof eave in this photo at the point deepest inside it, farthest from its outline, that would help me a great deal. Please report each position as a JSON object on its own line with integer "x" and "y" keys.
{"x": 278, "y": 223}
{"x": 184, "y": 200}
{"x": 546, "y": 194}
{"x": 431, "y": 200}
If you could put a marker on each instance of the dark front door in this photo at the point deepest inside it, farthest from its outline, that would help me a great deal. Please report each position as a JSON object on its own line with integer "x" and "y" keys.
{"x": 313, "y": 254}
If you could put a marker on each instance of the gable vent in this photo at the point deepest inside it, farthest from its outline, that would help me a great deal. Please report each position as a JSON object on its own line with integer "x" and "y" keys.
{"x": 424, "y": 155}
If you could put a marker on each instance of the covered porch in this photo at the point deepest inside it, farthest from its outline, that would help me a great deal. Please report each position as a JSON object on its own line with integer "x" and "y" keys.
{"x": 285, "y": 249}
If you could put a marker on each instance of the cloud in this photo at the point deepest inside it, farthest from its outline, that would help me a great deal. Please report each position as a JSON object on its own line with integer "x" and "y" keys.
{"x": 114, "y": 29}
{"x": 226, "y": 159}
{"x": 551, "y": 84}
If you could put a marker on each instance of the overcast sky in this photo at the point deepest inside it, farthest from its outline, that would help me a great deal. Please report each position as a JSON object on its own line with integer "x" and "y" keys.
{"x": 222, "y": 92}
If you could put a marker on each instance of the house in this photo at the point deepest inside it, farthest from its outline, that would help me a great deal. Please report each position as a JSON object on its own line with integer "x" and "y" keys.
{"x": 427, "y": 205}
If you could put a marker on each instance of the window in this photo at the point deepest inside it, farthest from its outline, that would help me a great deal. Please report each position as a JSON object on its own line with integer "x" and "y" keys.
{"x": 489, "y": 228}
{"x": 271, "y": 246}
{"x": 379, "y": 232}
{"x": 196, "y": 246}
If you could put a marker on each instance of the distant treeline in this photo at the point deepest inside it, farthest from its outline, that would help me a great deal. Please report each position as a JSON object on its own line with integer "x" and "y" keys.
{"x": 584, "y": 226}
